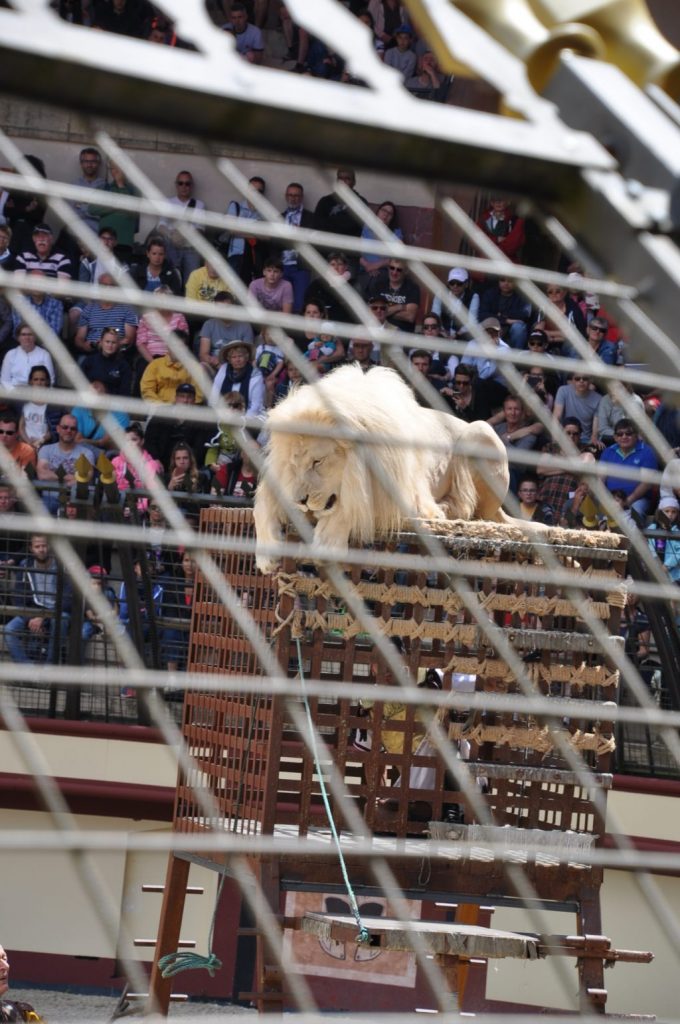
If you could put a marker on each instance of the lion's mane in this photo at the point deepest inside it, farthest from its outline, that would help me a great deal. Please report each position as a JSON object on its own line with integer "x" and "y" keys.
{"x": 382, "y": 483}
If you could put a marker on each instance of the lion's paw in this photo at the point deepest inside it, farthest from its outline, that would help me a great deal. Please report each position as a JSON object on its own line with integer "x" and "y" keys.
{"x": 267, "y": 566}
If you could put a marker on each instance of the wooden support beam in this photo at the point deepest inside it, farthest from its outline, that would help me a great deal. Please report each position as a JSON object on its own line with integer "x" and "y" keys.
{"x": 172, "y": 911}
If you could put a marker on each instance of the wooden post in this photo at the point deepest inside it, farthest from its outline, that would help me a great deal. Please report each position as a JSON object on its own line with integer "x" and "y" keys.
{"x": 172, "y": 910}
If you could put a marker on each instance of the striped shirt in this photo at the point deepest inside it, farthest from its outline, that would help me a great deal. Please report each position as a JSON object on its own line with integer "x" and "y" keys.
{"x": 57, "y": 264}
{"x": 96, "y": 318}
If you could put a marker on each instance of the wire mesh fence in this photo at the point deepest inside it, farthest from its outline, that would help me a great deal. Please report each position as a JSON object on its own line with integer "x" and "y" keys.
{"x": 554, "y": 651}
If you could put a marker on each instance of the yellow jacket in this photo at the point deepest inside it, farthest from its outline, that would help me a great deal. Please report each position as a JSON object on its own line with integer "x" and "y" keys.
{"x": 161, "y": 379}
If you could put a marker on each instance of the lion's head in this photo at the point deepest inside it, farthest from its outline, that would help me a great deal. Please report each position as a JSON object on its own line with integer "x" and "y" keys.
{"x": 319, "y": 466}
{"x": 331, "y": 478}
{"x": 358, "y": 456}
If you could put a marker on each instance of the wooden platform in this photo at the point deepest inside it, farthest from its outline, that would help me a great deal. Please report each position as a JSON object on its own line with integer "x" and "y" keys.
{"x": 506, "y": 621}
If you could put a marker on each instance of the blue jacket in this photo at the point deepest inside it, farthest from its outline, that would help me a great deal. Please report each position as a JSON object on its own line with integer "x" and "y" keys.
{"x": 668, "y": 551}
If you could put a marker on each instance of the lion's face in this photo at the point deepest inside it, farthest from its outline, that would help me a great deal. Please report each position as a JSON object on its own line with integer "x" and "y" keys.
{"x": 319, "y": 467}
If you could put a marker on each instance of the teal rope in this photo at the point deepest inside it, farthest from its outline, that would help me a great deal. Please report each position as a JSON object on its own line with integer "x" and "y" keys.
{"x": 363, "y": 937}
{"x": 174, "y": 963}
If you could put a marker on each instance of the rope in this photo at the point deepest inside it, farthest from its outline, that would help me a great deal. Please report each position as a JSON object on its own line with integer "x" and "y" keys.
{"x": 363, "y": 936}
{"x": 174, "y": 963}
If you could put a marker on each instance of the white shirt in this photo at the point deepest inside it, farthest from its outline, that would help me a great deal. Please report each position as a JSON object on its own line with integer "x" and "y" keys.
{"x": 487, "y": 369}
{"x": 196, "y": 204}
{"x": 35, "y": 421}
{"x": 17, "y": 365}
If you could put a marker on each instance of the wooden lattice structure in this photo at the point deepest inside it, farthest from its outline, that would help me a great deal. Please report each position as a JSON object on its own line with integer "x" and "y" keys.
{"x": 522, "y": 616}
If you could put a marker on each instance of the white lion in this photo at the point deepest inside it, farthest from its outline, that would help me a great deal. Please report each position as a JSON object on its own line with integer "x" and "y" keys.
{"x": 350, "y": 491}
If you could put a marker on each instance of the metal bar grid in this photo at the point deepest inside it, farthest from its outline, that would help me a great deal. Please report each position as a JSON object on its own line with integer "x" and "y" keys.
{"x": 241, "y": 616}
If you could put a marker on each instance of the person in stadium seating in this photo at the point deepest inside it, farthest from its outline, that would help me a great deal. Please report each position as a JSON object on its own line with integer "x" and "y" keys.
{"x": 38, "y": 422}
{"x": 215, "y": 333}
{"x": 245, "y": 255}
{"x": 177, "y": 250}
{"x": 529, "y": 505}
{"x": 10, "y": 439}
{"x": 401, "y": 56}
{"x": 61, "y": 456}
{"x": 125, "y": 17}
{"x": 40, "y": 587}
{"x": 124, "y": 222}
{"x": 100, "y": 314}
{"x": 156, "y": 270}
{"x": 503, "y": 301}
{"x": 163, "y": 376}
{"x": 271, "y": 290}
{"x": 90, "y": 430}
{"x": 559, "y": 299}
{"x": 577, "y": 399}
{"x": 294, "y": 270}
{"x": 151, "y": 343}
{"x": 108, "y": 364}
{"x": 161, "y": 435}
{"x": 90, "y": 268}
{"x": 204, "y": 284}
{"x": 503, "y": 227}
{"x": 43, "y": 256}
{"x": 48, "y": 307}
{"x": 371, "y": 263}
{"x": 91, "y": 176}
{"x": 6, "y": 254}
{"x": 239, "y": 374}
{"x": 332, "y": 214}
{"x": 19, "y": 361}
{"x": 401, "y": 293}
{"x": 249, "y": 41}
{"x": 631, "y": 451}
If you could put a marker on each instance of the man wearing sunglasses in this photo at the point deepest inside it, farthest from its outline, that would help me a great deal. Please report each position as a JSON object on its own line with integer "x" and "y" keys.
{"x": 577, "y": 399}
{"x": 178, "y": 252}
{"x": 630, "y": 451}
{"x": 596, "y": 333}
{"x": 400, "y": 292}
{"x": 62, "y": 455}
{"x": 22, "y": 452}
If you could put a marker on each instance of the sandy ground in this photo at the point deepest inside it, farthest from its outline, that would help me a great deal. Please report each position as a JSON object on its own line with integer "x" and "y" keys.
{"x": 58, "y": 1007}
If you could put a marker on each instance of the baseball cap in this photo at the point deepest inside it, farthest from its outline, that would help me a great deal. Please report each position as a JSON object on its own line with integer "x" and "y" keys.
{"x": 42, "y": 229}
{"x": 404, "y": 28}
{"x": 185, "y": 389}
{"x": 458, "y": 274}
{"x": 491, "y": 323}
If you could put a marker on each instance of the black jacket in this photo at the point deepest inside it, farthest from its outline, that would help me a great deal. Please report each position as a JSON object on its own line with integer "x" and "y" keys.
{"x": 169, "y": 276}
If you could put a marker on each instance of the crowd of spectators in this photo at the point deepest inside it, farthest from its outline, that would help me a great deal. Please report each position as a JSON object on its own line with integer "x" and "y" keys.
{"x": 264, "y": 32}
{"x": 123, "y": 351}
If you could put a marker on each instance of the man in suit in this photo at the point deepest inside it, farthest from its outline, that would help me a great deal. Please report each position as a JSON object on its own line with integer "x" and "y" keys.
{"x": 293, "y": 270}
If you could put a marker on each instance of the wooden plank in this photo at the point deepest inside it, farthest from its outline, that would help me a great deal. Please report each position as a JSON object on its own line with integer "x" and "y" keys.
{"x": 440, "y": 937}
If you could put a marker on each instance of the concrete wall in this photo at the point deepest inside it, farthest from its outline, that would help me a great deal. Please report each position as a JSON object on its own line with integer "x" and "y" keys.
{"x": 57, "y": 136}
{"x": 46, "y": 907}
